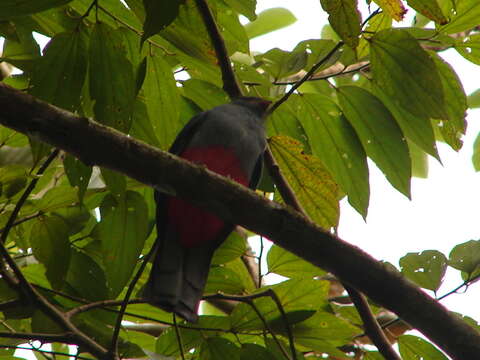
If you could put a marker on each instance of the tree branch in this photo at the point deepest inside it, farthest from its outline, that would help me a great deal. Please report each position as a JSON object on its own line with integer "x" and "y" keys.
{"x": 230, "y": 84}
{"x": 98, "y": 145}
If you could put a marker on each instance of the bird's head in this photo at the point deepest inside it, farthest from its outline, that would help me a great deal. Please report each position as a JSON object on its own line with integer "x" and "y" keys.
{"x": 257, "y": 105}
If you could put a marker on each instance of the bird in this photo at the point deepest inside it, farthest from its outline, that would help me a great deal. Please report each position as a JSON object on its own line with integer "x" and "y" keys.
{"x": 230, "y": 140}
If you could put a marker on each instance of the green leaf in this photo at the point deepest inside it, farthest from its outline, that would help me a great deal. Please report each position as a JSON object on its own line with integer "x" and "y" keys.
{"x": 280, "y": 63}
{"x": 231, "y": 30}
{"x": 394, "y": 9}
{"x": 78, "y": 173}
{"x": 380, "y": 135}
{"x": 50, "y": 246}
{"x": 218, "y": 348}
{"x": 162, "y": 100}
{"x": 406, "y": 72}
{"x": 116, "y": 182}
{"x": 469, "y": 48}
{"x": 285, "y": 263}
{"x": 269, "y": 20}
{"x": 142, "y": 128}
{"x": 59, "y": 75}
{"x": 426, "y": 269}
{"x": 122, "y": 231}
{"x": 159, "y": 14}
{"x": 167, "y": 342}
{"x": 311, "y": 182}
{"x": 21, "y": 50}
{"x": 15, "y": 8}
{"x": 345, "y": 19}
{"x": 13, "y": 178}
{"x": 414, "y": 348}
{"x": 419, "y": 161}
{"x": 286, "y": 123}
{"x": 204, "y": 94}
{"x": 333, "y": 140}
{"x": 294, "y": 295}
{"x": 244, "y": 7}
{"x": 464, "y": 16}
{"x": 317, "y": 50}
{"x": 112, "y": 82}
{"x": 430, "y": 9}
{"x": 465, "y": 256}
{"x": 456, "y": 106}
{"x": 188, "y": 34}
{"x": 476, "y": 154}
{"x": 323, "y": 331}
{"x": 86, "y": 277}
{"x": 254, "y": 351}
{"x": 56, "y": 198}
{"x": 474, "y": 99}
{"x": 418, "y": 129}
{"x": 224, "y": 280}
{"x": 232, "y": 248}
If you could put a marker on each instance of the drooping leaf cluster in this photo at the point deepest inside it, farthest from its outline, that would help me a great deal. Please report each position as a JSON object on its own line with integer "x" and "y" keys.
{"x": 145, "y": 68}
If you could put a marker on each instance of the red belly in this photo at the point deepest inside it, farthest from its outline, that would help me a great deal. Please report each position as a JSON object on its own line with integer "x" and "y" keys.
{"x": 195, "y": 226}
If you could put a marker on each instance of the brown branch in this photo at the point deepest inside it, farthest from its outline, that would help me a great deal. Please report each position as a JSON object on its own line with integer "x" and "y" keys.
{"x": 371, "y": 325}
{"x": 230, "y": 84}
{"x": 99, "y": 145}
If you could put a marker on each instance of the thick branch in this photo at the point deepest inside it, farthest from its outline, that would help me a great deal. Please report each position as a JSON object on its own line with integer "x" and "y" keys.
{"x": 99, "y": 145}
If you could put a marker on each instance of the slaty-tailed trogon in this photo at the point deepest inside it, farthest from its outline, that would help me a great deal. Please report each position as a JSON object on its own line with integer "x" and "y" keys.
{"x": 230, "y": 140}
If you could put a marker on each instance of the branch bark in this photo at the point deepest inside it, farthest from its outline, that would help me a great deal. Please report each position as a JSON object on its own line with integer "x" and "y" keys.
{"x": 98, "y": 145}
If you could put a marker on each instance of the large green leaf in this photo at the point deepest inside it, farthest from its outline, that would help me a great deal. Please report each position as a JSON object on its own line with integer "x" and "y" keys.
{"x": 232, "y": 248}
{"x": 167, "y": 342}
{"x": 456, "y": 106}
{"x": 188, "y": 34}
{"x": 78, "y": 173}
{"x": 426, "y": 268}
{"x": 334, "y": 141}
{"x": 162, "y": 100}
{"x": 269, "y": 20}
{"x": 394, "y": 8}
{"x": 415, "y": 348}
{"x": 15, "y": 8}
{"x": 465, "y": 17}
{"x": 429, "y": 8}
{"x": 285, "y": 263}
{"x": 218, "y": 348}
{"x": 279, "y": 63}
{"x": 20, "y": 48}
{"x": 380, "y": 135}
{"x": 159, "y": 14}
{"x": 112, "y": 81}
{"x": 50, "y": 246}
{"x": 345, "y": 19}
{"x": 244, "y": 7}
{"x": 89, "y": 284}
{"x": 466, "y": 256}
{"x": 122, "y": 231}
{"x": 476, "y": 154}
{"x": 323, "y": 331}
{"x": 416, "y": 128}
{"x": 204, "y": 94}
{"x": 312, "y": 183}
{"x": 60, "y": 74}
{"x": 406, "y": 72}
{"x": 251, "y": 351}
{"x": 294, "y": 294}
{"x": 469, "y": 48}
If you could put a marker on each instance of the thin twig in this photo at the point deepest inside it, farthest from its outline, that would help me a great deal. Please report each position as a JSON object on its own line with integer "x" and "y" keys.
{"x": 131, "y": 286}
{"x": 179, "y": 338}
{"x": 291, "y": 340}
{"x": 25, "y": 195}
{"x": 230, "y": 84}
{"x": 307, "y": 76}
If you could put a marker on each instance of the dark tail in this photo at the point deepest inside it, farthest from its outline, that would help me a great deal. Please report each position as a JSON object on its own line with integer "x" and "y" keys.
{"x": 178, "y": 277}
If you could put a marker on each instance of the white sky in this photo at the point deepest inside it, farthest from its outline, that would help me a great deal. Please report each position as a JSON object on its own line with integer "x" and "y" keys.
{"x": 444, "y": 207}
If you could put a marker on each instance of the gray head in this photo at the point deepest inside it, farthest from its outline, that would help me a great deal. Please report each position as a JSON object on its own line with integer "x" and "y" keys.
{"x": 255, "y": 104}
